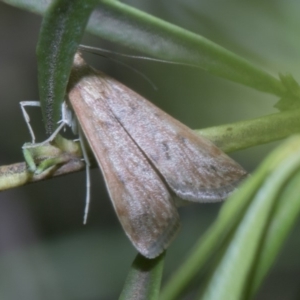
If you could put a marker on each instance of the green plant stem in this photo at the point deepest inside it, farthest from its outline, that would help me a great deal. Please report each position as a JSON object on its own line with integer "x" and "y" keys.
{"x": 249, "y": 133}
{"x": 144, "y": 279}
{"x": 42, "y": 162}
{"x": 18, "y": 174}
{"x": 229, "y": 138}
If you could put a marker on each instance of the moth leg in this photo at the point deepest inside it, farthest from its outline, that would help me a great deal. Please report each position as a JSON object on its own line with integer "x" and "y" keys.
{"x": 67, "y": 119}
{"x": 32, "y": 150}
{"x": 26, "y": 116}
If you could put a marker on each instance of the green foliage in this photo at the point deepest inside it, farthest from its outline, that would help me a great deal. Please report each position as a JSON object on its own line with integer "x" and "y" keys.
{"x": 61, "y": 31}
{"x": 247, "y": 235}
{"x": 143, "y": 280}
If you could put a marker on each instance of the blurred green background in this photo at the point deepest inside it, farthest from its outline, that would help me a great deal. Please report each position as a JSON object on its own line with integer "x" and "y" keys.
{"x": 45, "y": 251}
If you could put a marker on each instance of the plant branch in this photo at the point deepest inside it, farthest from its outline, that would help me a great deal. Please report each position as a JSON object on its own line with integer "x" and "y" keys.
{"x": 250, "y": 133}
{"x": 18, "y": 174}
{"x": 229, "y": 138}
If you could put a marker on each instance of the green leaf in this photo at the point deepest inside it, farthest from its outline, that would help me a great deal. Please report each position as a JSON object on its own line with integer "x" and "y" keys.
{"x": 133, "y": 28}
{"x": 292, "y": 99}
{"x": 62, "y": 28}
{"x": 230, "y": 279}
{"x": 285, "y": 214}
{"x": 238, "y": 239}
{"x": 144, "y": 279}
{"x": 160, "y": 39}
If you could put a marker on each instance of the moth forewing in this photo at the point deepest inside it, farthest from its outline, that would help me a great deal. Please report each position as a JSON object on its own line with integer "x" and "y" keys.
{"x": 136, "y": 145}
{"x": 194, "y": 168}
{"x": 141, "y": 199}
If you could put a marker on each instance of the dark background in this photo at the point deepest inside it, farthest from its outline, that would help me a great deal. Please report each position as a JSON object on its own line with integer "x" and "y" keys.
{"x": 45, "y": 251}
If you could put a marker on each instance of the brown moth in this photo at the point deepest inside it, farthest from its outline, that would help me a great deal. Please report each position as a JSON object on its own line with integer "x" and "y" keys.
{"x": 146, "y": 157}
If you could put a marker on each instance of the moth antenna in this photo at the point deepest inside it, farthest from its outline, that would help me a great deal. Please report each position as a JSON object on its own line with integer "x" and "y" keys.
{"x": 99, "y": 51}
{"x": 88, "y": 178}
{"x": 69, "y": 120}
{"x": 93, "y": 50}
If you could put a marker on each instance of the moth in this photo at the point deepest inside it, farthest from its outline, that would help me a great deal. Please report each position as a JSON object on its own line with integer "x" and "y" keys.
{"x": 147, "y": 158}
